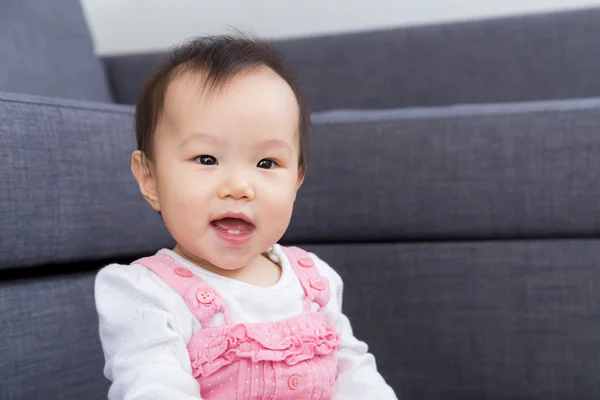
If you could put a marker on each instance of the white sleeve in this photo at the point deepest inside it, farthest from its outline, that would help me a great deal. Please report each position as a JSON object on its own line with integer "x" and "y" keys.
{"x": 357, "y": 378}
{"x": 144, "y": 331}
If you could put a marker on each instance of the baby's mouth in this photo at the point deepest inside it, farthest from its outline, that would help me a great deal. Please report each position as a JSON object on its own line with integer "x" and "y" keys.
{"x": 233, "y": 226}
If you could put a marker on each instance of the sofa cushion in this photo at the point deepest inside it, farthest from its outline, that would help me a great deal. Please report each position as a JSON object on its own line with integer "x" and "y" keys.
{"x": 477, "y": 320}
{"x": 46, "y": 49}
{"x": 67, "y": 190}
{"x": 49, "y": 339}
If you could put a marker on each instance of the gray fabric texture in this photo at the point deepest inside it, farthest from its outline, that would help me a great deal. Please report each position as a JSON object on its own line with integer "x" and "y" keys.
{"x": 485, "y": 172}
{"x": 67, "y": 191}
{"x": 517, "y": 58}
{"x": 477, "y": 320}
{"x": 46, "y": 49}
{"x": 126, "y": 73}
{"x": 49, "y": 340}
{"x": 514, "y": 58}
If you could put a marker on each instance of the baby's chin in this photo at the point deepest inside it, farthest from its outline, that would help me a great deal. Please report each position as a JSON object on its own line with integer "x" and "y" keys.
{"x": 223, "y": 262}
{"x": 231, "y": 263}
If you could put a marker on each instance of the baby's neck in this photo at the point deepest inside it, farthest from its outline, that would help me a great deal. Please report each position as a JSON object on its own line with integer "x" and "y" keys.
{"x": 260, "y": 271}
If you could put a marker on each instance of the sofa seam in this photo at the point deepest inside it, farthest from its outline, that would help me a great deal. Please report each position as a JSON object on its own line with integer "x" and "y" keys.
{"x": 106, "y": 110}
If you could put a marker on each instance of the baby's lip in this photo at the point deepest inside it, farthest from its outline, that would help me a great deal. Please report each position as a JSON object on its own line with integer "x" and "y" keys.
{"x": 235, "y": 215}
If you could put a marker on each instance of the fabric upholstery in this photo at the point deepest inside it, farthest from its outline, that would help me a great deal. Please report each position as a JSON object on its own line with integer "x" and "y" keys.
{"x": 127, "y": 72}
{"x": 477, "y": 320}
{"x": 484, "y": 172}
{"x": 67, "y": 193}
{"x": 516, "y": 58}
{"x": 46, "y": 49}
{"x": 49, "y": 339}
{"x": 500, "y": 60}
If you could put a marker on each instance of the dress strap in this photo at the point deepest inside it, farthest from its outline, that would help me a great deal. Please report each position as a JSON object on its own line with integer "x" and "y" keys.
{"x": 203, "y": 300}
{"x": 316, "y": 287}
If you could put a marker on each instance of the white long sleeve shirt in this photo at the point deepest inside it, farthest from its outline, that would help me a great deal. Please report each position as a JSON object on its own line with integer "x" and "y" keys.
{"x": 145, "y": 327}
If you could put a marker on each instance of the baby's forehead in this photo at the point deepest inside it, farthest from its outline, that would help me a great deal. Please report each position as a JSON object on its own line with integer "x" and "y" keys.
{"x": 254, "y": 96}
{"x": 258, "y": 87}
{"x": 184, "y": 85}
{"x": 208, "y": 84}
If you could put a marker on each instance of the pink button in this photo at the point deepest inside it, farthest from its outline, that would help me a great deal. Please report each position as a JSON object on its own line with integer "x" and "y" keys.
{"x": 183, "y": 272}
{"x": 294, "y": 382}
{"x": 317, "y": 282}
{"x": 205, "y": 296}
{"x": 306, "y": 262}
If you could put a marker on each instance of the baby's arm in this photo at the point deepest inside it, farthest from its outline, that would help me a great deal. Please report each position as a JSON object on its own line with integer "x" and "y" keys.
{"x": 144, "y": 331}
{"x": 357, "y": 372}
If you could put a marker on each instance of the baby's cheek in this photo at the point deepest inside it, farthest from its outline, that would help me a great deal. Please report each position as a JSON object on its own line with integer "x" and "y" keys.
{"x": 281, "y": 211}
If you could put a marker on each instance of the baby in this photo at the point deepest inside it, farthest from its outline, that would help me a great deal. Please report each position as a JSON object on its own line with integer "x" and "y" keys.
{"x": 222, "y": 135}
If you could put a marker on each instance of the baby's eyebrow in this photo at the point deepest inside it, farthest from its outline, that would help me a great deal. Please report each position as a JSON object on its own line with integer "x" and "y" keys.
{"x": 275, "y": 143}
{"x": 205, "y": 137}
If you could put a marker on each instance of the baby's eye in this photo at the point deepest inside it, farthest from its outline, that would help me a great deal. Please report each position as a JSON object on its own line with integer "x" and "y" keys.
{"x": 206, "y": 160}
{"x": 267, "y": 163}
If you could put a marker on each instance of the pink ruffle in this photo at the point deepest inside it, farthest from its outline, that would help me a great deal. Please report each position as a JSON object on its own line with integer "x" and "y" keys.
{"x": 214, "y": 348}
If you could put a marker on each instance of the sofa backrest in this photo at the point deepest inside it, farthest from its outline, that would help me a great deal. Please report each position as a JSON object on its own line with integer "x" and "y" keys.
{"x": 518, "y": 58}
{"x": 46, "y": 49}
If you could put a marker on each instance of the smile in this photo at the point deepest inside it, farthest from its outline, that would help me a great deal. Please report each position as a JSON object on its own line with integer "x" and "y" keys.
{"x": 234, "y": 228}
{"x": 234, "y": 231}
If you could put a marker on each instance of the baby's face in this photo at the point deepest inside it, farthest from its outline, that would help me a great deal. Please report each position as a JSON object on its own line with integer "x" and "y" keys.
{"x": 226, "y": 166}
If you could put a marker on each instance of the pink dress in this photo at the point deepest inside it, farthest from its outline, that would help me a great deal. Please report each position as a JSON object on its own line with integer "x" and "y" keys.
{"x": 290, "y": 359}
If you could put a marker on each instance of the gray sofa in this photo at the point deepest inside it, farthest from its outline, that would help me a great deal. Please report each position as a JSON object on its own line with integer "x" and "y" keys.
{"x": 453, "y": 182}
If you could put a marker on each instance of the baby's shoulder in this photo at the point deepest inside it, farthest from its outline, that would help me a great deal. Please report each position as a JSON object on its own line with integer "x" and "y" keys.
{"x": 336, "y": 285}
{"x": 131, "y": 298}
{"x": 324, "y": 269}
{"x": 130, "y": 278}
{"x": 116, "y": 271}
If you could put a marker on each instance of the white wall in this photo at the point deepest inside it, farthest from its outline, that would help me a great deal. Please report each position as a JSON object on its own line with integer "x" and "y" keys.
{"x": 124, "y": 26}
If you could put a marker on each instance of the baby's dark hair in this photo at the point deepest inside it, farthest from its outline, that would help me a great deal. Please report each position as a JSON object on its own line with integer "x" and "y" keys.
{"x": 219, "y": 58}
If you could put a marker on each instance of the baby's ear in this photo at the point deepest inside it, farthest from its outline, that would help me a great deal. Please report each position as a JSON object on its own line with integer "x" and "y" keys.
{"x": 145, "y": 177}
{"x": 301, "y": 174}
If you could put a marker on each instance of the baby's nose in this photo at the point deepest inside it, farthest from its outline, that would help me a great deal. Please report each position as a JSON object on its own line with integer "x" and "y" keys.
{"x": 237, "y": 187}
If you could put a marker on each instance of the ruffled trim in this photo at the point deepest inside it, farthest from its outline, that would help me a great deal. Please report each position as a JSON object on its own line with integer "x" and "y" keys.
{"x": 214, "y": 348}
